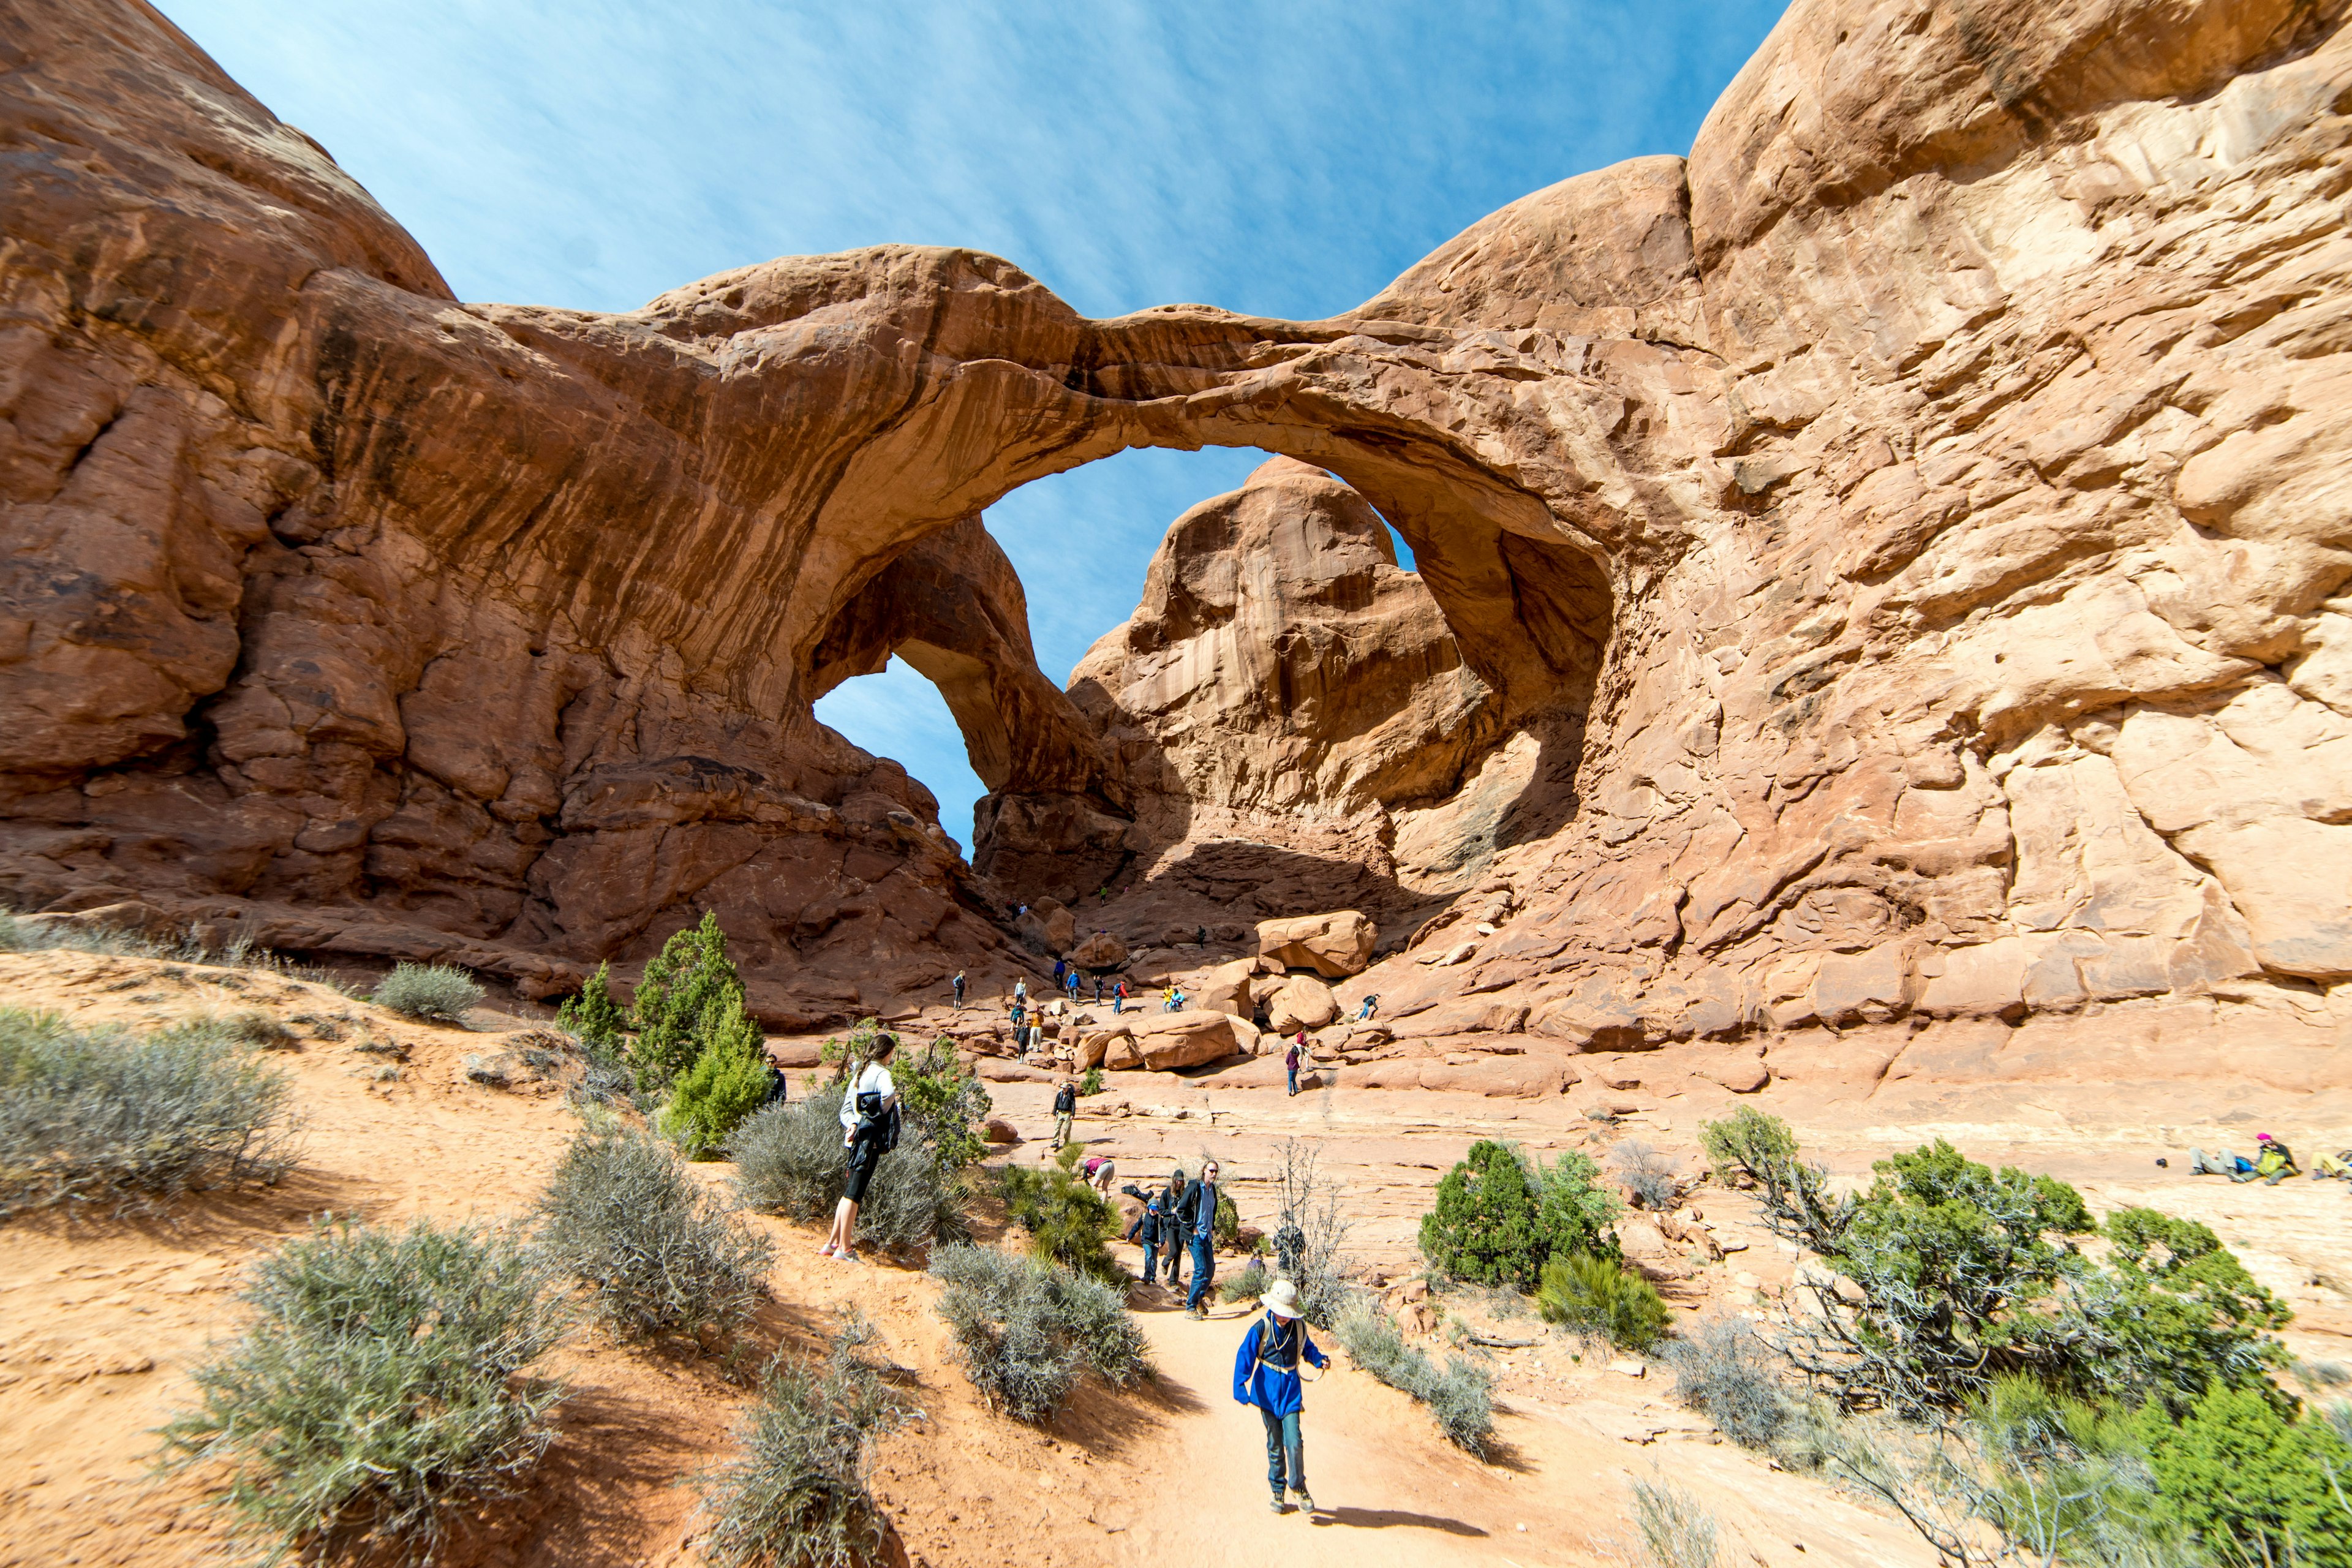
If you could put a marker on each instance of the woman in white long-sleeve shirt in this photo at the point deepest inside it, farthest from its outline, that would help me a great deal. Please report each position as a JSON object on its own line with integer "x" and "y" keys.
{"x": 866, "y": 1109}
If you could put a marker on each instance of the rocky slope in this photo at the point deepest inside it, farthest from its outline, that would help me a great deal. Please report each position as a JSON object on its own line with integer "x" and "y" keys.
{"x": 1905, "y": 544}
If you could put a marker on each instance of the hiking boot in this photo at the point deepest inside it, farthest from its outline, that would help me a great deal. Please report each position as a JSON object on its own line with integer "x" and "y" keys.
{"x": 1306, "y": 1503}
{"x": 1276, "y": 1505}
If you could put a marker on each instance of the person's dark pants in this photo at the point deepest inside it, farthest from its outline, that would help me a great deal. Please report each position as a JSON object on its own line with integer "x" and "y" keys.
{"x": 1205, "y": 1268}
{"x": 1286, "y": 1452}
{"x": 1151, "y": 1263}
{"x": 1294, "y": 1079}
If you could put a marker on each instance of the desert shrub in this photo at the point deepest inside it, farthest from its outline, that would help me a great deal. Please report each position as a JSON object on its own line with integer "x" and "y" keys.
{"x": 2254, "y": 1486}
{"x": 593, "y": 1018}
{"x": 940, "y": 1100}
{"x": 107, "y": 1120}
{"x": 662, "y": 1254}
{"x": 795, "y": 1490}
{"x": 1225, "y": 1230}
{"x": 1648, "y": 1174}
{"x": 1069, "y": 1222}
{"x": 1025, "y": 1327}
{"x": 439, "y": 991}
{"x": 1956, "y": 1275}
{"x": 1248, "y": 1285}
{"x": 789, "y": 1160}
{"x": 679, "y": 1001}
{"x": 1498, "y": 1217}
{"x": 30, "y": 934}
{"x": 377, "y": 1388}
{"x": 1602, "y": 1296}
{"x": 255, "y": 1027}
{"x": 1310, "y": 1233}
{"x": 1092, "y": 1083}
{"x": 1722, "y": 1369}
{"x": 727, "y": 1083}
{"x": 1461, "y": 1398}
{"x": 1677, "y": 1530}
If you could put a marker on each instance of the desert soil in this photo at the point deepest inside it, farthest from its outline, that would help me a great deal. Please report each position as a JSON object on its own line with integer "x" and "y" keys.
{"x": 99, "y": 1323}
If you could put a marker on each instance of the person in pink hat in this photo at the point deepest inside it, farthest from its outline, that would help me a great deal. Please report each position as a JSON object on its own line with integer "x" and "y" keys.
{"x": 1266, "y": 1373}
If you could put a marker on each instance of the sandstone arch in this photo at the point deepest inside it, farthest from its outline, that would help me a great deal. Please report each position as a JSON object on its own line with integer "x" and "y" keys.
{"x": 1937, "y": 481}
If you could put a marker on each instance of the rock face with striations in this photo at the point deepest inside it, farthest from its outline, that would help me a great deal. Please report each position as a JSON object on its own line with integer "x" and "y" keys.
{"x": 1903, "y": 552}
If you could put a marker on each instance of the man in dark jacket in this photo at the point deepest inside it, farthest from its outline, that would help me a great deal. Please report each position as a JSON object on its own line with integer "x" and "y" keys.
{"x": 1201, "y": 1232}
{"x": 1065, "y": 1107}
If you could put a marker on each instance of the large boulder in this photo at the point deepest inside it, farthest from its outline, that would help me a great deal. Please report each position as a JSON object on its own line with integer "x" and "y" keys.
{"x": 1303, "y": 1003}
{"x": 1332, "y": 945}
{"x": 1099, "y": 951}
{"x": 1165, "y": 1041}
{"x": 1232, "y": 987}
{"x": 1095, "y": 1044}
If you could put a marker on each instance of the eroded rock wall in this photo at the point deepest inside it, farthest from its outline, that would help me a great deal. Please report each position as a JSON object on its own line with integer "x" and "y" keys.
{"x": 1907, "y": 546}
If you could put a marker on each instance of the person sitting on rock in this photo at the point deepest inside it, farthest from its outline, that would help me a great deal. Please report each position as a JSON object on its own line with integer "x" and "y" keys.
{"x": 1371, "y": 1002}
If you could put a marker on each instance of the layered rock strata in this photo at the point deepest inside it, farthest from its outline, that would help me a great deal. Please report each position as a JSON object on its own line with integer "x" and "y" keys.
{"x": 1908, "y": 541}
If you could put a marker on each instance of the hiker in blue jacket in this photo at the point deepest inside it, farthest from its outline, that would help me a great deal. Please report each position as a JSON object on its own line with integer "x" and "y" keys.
{"x": 1266, "y": 1373}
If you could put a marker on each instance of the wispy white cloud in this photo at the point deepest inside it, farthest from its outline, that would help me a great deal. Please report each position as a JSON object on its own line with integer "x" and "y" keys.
{"x": 1285, "y": 160}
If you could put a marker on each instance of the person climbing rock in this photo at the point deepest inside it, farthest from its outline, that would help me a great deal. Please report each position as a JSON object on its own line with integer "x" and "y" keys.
{"x": 1065, "y": 1107}
{"x": 869, "y": 1121}
{"x": 1266, "y": 1373}
{"x": 1061, "y": 967}
{"x": 1364, "y": 1011}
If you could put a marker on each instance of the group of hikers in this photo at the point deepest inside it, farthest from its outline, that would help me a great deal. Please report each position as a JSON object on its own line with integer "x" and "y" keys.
{"x": 1177, "y": 1224}
{"x": 2272, "y": 1164}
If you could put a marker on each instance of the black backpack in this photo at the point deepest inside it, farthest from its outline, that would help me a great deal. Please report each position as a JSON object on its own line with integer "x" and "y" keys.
{"x": 876, "y": 1124}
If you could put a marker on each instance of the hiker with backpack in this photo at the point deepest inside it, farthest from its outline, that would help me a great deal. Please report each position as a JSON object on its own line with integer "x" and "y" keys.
{"x": 1199, "y": 1215}
{"x": 1290, "y": 1060}
{"x": 957, "y": 984}
{"x": 1266, "y": 1373}
{"x": 869, "y": 1121}
{"x": 1065, "y": 1107}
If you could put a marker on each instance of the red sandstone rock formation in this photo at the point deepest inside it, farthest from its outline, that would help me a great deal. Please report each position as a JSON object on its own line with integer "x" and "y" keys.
{"x": 1907, "y": 546}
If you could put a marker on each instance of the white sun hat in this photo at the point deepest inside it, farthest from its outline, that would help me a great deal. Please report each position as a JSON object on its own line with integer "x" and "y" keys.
{"x": 1282, "y": 1300}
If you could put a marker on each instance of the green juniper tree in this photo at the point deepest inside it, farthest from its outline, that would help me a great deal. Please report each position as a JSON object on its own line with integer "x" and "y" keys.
{"x": 684, "y": 982}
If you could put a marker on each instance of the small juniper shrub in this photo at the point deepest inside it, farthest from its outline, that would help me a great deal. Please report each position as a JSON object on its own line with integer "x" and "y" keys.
{"x": 1461, "y": 1398}
{"x": 1251, "y": 1283}
{"x": 661, "y": 1254}
{"x": 1648, "y": 1174}
{"x": 1092, "y": 1082}
{"x": 1498, "y": 1217}
{"x": 1723, "y": 1369}
{"x": 108, "y": 1121}
{"x": 377, "y": 1389}
{"x": 684, "y": 986}
{"x": 790, "y": 1161}
{"x": 594, "y": 1017}
{"x": 1069, "y": 1222}
{"x": 1024, "y": 1328}
{"x": 728, "y": 1081}
{"x": 940, "y": 1100}
{"x": 1960, "y": 1274}
{"x": 1602, "y": 1296}
{"x": 795, "y": 1490}
{"x": 437, "y": 991}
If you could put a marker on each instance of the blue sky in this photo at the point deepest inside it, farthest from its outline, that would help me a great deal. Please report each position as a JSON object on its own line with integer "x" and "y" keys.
{"x": 1283, "y": 158}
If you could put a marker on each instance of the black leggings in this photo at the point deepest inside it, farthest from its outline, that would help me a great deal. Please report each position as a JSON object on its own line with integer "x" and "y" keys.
{"x": 864, "y": 1153}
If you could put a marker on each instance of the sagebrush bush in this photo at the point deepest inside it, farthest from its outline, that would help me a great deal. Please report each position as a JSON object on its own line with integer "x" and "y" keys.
{"x": 1602, "y": 1296}
{"x": 255, "y": 1027}
{"x": 1069, "y": 1222}
{"x": 112, "y": 1121}
{"x": 795, "y": 1491}
{"x": 377, "y": 1387}
{"x": 1024, "y": 1328}
{"x": 728, "y": 1081}
{"x": 1677, "y": 1531}
{"x": 439, "y": 991}
{"x": 662, "y": 1254}
{"x": 1460, "y": 1396}
{"x": 1723, "y": 1369}
{"x": 1648, "y": 1174}
{"x": 677, "y": 1001}
{"x": 790, "y": 1161}
{"x": 1252, "y": 1282}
